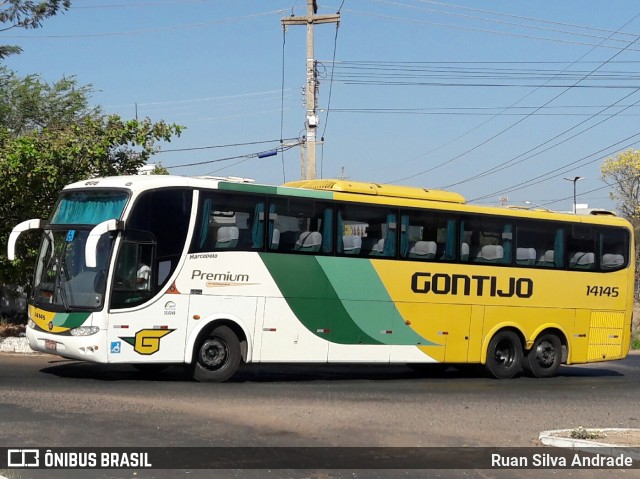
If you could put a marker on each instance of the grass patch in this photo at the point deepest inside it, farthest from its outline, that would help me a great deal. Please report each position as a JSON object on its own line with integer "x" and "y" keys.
{"x": 582, "y": 433}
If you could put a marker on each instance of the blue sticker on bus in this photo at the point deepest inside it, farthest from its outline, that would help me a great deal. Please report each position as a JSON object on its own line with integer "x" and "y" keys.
{"x": 70, "y": 235}
{"x": 116, "y": 347}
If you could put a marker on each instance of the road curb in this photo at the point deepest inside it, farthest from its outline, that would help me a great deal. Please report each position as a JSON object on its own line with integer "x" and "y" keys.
{"x": 15, "y": 345}
{"x": 562, "y": 438}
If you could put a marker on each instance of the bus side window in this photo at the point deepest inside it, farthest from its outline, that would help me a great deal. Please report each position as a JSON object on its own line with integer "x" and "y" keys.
{"x": 134, "y": 273}
{"x": 614, "y": 247}
{"x": 228, "y": 221}
{"x": 427, "y": 236}
{"x": 366, "y": 231}
{"x": 300, "y": 225}
{"x": 540, "y": 245}
{"x": 581, "y": 247}
{"x": 489, "y": 241}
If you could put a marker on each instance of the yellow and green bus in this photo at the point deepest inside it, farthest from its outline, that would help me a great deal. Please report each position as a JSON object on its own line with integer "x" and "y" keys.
{"x": 212, "y": 273}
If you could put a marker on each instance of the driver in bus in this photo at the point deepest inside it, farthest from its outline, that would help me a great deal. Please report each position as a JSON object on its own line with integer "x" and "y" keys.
{"x": 143, "y": 276}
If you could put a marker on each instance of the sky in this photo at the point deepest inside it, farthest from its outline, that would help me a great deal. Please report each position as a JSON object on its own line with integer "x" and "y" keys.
{"x": 497, "y": 100}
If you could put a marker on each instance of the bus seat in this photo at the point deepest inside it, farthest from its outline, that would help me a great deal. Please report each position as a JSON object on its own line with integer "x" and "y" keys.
{"x": 526, "y": 256}
{"x": 547, "y": 259}
{"x": 491, "y": 253}
{"x": 582, "y": 260}
{"x": 352, "y": 244}
{"x": 275, "y": 239}
{"x": 464, "y": 252}
{"x": 308, "y": 241}
{"x": 612, "y": 261}
{"x": 423, "y": 250}
{"x": 378, "y": 249}
{"x": 227, "y": 237}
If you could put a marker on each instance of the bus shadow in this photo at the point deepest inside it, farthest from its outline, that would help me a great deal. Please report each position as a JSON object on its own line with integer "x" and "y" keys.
{"x": 113, "y": 372}
{"x": 587, "y": 372}
{"x": 272, "y": 373}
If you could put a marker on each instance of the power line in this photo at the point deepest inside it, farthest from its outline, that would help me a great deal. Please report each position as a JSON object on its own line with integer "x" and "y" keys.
{"x": 510, "y": 163}
{"x": 503, "y": 22}
{"x": 222, "y": 146}
{"x": 562, "y": 169}
{"x": 147, "y": 30}
{"x": 510, "y": 15}
{"x": 246, "y": 156}
{"x": 600, "y": 65}
{"x": 482, "y": 30}
{"x": 328, "y": 110}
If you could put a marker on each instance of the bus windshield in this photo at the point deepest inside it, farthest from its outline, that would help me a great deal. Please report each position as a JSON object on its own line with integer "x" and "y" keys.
{"x": 62, "y": 279}
{"x": 89, "y": 207}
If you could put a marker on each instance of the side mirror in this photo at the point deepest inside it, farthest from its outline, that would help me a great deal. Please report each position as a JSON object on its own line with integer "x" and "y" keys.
{"x": 94, "y": 236}
{"x": 32, "y": 224}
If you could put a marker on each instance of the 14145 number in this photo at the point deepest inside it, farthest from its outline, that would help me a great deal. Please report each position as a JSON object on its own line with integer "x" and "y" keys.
{"x": 610, "y": 291}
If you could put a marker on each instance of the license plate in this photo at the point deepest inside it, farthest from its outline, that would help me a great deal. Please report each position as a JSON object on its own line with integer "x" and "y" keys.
{"x": 50, "y": 345}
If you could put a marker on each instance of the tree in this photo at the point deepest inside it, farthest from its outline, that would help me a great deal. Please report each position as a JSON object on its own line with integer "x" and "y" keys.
{"x": 622, "y": 173}
{"x": 160, "y": 170}
{"x": 34, "y": 168}
{"x": 26, "y": 14}
{"x": 29, "y": 103}
{"x": 50, "y": 136}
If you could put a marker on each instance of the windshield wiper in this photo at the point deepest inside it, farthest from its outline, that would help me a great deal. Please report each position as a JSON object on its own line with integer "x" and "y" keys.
{"x": 62, "y": 279}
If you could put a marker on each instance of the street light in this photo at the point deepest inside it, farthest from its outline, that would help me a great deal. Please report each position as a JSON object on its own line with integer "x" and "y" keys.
{"x": 575, "y": 179}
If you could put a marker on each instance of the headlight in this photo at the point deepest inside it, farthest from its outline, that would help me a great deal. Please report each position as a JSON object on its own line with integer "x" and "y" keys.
{"x": 84, "y": 331}
{"x": 31, "y": 324}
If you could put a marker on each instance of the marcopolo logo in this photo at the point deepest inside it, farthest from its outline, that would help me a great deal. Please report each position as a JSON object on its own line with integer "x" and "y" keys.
{"x": 477, "y": 285}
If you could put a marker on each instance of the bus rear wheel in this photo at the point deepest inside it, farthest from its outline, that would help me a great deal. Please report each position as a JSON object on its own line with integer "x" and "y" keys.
{"x": 504, "y": 355}
{"x": 544, "y": 358}
{"x": 217, "y": 356}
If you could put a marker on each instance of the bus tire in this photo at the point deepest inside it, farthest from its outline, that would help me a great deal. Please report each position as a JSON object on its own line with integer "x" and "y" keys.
{"x": 504, "y": 355}
{"x": 544, "y": 358}
{"x": 217, "y": 356}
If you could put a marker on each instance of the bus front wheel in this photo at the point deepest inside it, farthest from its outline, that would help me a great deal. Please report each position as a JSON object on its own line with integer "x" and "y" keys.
{"x": 217, "y": 356}
{"x": 504, "y": 355}
{"x": 544, "y": 358}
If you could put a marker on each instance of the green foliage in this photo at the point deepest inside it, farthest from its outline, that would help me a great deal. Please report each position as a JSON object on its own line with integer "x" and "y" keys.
{"x": 28, "y": 103}
{"x": 582, "y": 433}
{"x": 36, "y": 166}
{"x": 50, "y": 137}
{"x": 160, "y": 170}
{"x": 26, "y": 14}
{"x": 622, "y": 173}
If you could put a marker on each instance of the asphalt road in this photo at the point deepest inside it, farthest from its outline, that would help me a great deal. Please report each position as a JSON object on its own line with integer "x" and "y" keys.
{"x": 46, "y": 401}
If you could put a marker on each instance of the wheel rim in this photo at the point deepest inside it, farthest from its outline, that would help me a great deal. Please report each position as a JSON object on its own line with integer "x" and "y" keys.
{"x": 505, "y": 354}
{"x": 545, "y": 354}
{"x": 214, "y": 353}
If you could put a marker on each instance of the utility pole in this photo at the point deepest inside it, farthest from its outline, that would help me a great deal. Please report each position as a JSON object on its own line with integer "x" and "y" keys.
{"x": 310, "y": 20}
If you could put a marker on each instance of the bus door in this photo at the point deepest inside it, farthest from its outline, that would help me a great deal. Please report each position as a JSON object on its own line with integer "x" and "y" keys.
{"x": 144, "y": 326}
